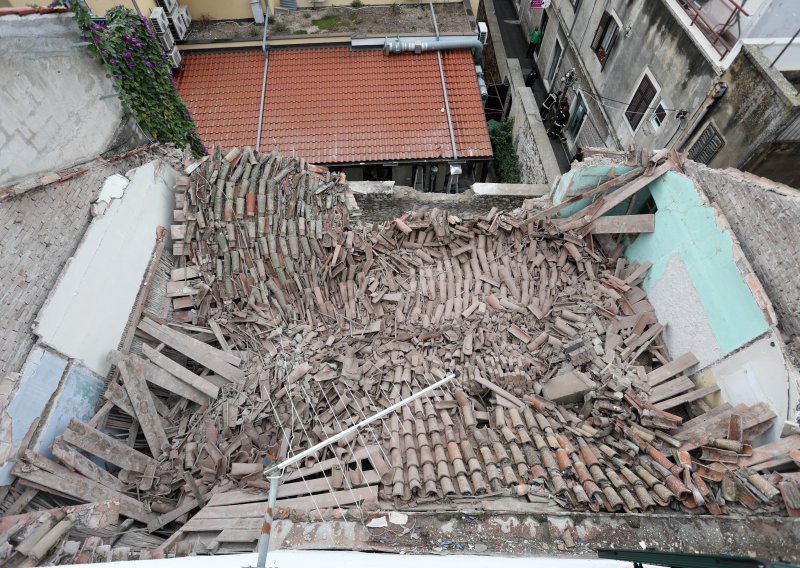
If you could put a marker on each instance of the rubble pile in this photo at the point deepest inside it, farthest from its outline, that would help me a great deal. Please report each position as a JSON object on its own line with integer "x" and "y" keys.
{"x": 292, "y": 322}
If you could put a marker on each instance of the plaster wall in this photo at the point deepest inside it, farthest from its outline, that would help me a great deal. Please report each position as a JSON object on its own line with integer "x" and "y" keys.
{"x": 39, "y": 379}
{"x": 757, "y": 106}
{"x": 52, "y": 115}
{"x": 650, "y": 38}
{"x": 760, "y": 372}
{"x": 77, "y": 398}
{"x": 86, "y": 313}
{"x": 688, "y": 227}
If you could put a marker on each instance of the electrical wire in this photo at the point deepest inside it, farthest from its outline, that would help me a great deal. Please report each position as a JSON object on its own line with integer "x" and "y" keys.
{"x": 600, "y": 100}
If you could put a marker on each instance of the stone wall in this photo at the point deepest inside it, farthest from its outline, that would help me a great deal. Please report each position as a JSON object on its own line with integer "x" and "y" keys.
{"x": 57, "y": 107}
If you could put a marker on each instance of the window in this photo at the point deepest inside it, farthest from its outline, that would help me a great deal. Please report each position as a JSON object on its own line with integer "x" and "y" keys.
{"x": 577, "y": 118}
{"x": 659, "y": 116}
{"x": 604, "y": 38}
{"x": 640, "y": 102}
{"x": 708, "y": 144}
{"x": 555, "y": 61}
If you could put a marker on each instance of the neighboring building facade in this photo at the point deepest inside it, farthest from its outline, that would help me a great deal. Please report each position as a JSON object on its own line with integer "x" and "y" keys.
{"x": 648, "y": 72}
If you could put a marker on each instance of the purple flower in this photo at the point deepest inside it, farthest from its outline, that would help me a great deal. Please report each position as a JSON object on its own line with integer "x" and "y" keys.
{"x": 118, "y": 77}
{"x": 127, "y": 55}
{"x": 148, "y": 64}
{"x": 131, "y": 63}
{"x": 114, "y": 62}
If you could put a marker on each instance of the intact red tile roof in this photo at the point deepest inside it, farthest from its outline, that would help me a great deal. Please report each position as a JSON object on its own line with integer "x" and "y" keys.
{"x": 339, "y": 105}
{"x": 223, "y": 93}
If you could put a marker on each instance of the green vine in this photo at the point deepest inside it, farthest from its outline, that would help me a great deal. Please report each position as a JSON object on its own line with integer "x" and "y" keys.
{"x": 506, "y": 162}
{"x": 134, "y": 57}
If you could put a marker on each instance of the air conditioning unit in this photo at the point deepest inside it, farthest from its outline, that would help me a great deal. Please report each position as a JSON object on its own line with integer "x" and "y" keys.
{"x": 175, "y": 58}
{"x": 168, "y": 5}
{"x": 178, "y": 27}
{"x": 167, "y": 40}
{"x": 186, "y": 15}
{"x": 159, "y": 20}
{"x": 483, "y": 32}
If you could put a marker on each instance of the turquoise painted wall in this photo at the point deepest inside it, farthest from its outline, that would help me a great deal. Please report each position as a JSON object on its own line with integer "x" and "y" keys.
{"x": 686, "y": 227}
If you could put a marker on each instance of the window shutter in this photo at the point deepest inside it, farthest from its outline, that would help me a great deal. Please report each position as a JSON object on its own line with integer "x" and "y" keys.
{"x": 641, "y": 100}
{"x": 598, "y": 35}
{"x": 611, "y": 43}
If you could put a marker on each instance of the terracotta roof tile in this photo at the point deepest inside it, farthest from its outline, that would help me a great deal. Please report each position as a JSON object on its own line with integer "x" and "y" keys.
{"x": 223, "y": 92}
{"x": 338, "y": 105}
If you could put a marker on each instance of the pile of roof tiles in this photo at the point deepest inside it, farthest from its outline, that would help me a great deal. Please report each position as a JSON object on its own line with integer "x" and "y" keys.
{"x": 566, "y": 391}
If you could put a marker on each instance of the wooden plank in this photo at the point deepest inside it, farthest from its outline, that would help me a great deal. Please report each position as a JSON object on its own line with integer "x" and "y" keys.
{"x": 105, "y": 447}
{"x": 77, "y": 486}
{"x": 180, "y": 372}
{"x": 777, "y": 449}
{"x": 207, "y": 525}
{"x": 85, "y": 466}
{"x": 688, "y": 397}
{"x": 723, "y": 409}
{"x": 626, "y": 191}
{"x": 602, "y": 188}
{"x": 188, "y": 506}
{"x": 161, "y": 378}
{"x": 671, "y": 369}
{"x": 344, "y": 497}
{"x": 616, "y": 224}
{"x": 181, "y": 288}
{"x": 21, "y": 502}
{"x": 242, "y": 511}
{"x": 236, "y": 497}
{"x": 500, "y": 391}
{"x": 671, "y": 389}
{"x": 145, "y": 408}
{"x": 215, "y": 359}
{"x": 238, "y": 535}
{"x": 322, "y": 484}
{"x": 184, "y": 273}
{"x": 358, "y": 455}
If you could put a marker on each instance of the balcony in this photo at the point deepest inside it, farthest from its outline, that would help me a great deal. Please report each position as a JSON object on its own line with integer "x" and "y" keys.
{"x": 718, "y": 20}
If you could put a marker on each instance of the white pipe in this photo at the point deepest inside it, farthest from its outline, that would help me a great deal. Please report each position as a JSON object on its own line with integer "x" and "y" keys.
{"x": 355, "y": 427}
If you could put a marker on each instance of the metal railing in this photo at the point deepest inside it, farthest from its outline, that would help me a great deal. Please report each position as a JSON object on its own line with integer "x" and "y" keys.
{"x": 711, "y": 30}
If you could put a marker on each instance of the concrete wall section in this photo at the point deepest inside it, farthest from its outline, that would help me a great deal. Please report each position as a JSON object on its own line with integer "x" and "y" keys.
{"x": 760, "y": 372}
{"x": 86, "y": 313}
{"x": 687, "y": 227}
{"x": 757, "y": 106}
{"x": 51, "y": 112}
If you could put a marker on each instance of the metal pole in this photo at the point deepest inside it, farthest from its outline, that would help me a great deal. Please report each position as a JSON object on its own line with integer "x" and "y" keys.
{"x": 344, "y": 433}
{"x": 266, "y": 527}
{"x": 263, "y": 80}
{"x": 785, "y": 47}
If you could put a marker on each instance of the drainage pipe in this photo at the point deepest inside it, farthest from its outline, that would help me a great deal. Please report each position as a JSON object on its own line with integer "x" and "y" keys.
{"x": 404, "y": 46}
{"x": 263, "y": 80}
{"x": 444, "y": 83}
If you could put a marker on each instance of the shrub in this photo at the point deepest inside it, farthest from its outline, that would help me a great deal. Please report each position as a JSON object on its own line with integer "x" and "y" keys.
{"x": 135, "y": 60}
{"x": 356, "y": 3}
{"x": 506, "y": 163}
{"x": 300, "y": 32}
{"x": 395, "y": 8}
{"x": 279, "y": 27}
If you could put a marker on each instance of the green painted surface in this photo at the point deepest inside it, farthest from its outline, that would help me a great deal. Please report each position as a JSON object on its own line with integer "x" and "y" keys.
{"x": 686, "y": 227}
{"x": 584, "y": 179}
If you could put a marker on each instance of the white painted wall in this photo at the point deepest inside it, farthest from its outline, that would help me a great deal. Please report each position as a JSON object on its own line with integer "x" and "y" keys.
{"x": 86, "y": 314}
